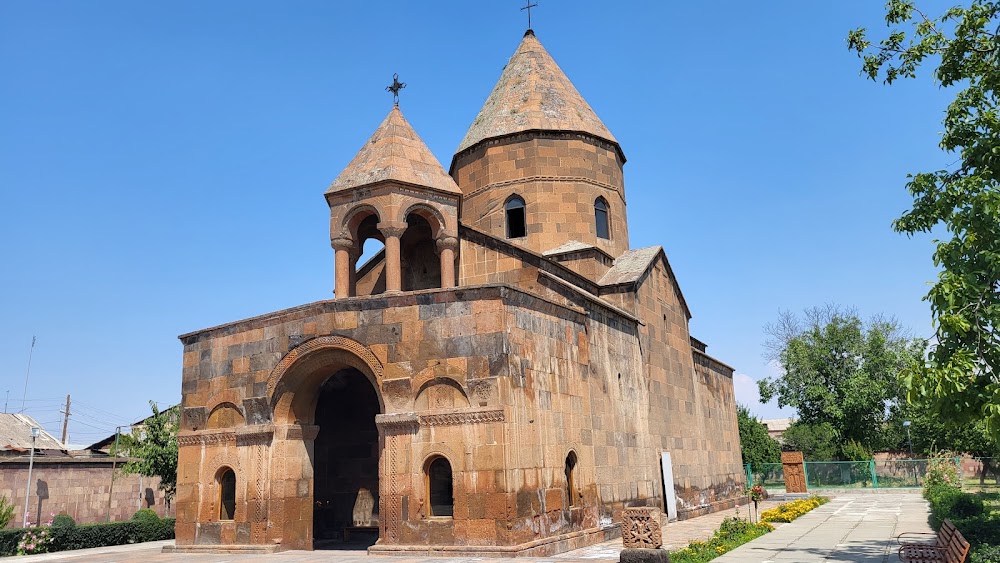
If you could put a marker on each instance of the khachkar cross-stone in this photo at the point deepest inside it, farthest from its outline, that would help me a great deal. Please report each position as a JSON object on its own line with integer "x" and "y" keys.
{"x": 528, "y": 6}
{"x": 395, "y": 88}
{"x": 642, "y": 536}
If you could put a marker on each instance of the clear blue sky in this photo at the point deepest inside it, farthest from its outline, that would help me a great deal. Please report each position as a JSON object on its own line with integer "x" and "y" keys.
{"x": 162, "y": 164}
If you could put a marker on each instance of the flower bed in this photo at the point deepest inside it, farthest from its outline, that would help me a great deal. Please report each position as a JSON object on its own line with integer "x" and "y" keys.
{"x": 786, "y": 512}
{"x": 733, "y": 533}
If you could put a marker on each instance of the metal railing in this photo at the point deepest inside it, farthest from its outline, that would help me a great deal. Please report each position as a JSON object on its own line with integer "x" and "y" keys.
{"x": 876, "y": 474}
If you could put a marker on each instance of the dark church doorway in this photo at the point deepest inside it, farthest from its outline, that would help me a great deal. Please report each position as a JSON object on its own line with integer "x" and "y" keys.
{"x": 345, "y": 500}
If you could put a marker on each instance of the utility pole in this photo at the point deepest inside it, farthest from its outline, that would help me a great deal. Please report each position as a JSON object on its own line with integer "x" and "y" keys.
{"x": 114, "y": 463}
{"x": 27, "y": 373}
{"x": 35, "y": 431}
{"x": 65, "y": 422}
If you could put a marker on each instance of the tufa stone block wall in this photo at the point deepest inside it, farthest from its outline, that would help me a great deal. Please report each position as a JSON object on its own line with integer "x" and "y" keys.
{"x": 78, "y": 488}
{"x": 559, "y": 176}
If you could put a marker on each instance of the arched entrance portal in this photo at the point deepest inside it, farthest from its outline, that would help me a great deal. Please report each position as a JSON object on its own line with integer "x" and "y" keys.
{"x": 345, "y": 466}
{"x": 324, "y": 394}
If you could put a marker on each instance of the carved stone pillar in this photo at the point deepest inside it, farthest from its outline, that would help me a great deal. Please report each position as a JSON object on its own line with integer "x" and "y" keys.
{"x": 395, "y": 438}
{"x": 446, "y": 249}
{"x": 342, "y": 271}
{"x": 393, "y": 266}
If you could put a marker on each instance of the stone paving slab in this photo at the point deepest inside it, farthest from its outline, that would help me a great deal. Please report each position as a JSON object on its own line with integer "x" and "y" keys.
{"x": 857, "y": 528}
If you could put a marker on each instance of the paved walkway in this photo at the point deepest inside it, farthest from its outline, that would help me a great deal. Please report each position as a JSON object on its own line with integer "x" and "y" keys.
{"x": 849, "y": 528}
{"x": 857, "y": 528}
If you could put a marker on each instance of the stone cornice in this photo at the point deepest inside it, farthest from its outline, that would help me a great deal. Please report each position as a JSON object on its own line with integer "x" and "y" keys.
{"x": 461, "y": 417}
{"x": 397, "y": 421}
{"x": 207, "y": 437}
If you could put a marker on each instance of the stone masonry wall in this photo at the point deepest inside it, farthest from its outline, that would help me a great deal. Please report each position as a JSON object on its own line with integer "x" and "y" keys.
{"x": 428, "y": 346}
{"x": 79, "y": 489}
{"x": 693, "y": 406}
{"x": 559, "y": 176}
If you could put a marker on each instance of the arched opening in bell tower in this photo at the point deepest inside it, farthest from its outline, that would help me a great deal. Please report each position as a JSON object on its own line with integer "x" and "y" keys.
{"x": 420, "y": 264}
{"x": 345, "y": 465}
{"x": 370, "y": 253}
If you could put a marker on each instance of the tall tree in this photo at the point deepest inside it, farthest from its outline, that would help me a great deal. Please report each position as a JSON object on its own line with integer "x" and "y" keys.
{"x": 817, "y": 441}
{"x": 152, "y": 448}
{"x": 838, "y": 370}
{"x": 757, "y": 446}
{"x": 961, "y": 378}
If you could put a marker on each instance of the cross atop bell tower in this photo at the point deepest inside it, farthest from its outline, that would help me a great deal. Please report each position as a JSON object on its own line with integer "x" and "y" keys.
{"x": 395, "y": 87}
{"x": 528, "y": 6}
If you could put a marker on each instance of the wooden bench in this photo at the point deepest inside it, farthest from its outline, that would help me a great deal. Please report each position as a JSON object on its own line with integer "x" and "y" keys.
{"x": 948, "y": 547}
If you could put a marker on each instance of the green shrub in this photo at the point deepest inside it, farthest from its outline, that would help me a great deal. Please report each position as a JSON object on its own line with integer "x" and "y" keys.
{"x": 6, "y": 512}
{"x": 64, "y": 538}
{"x": 64, "y": 521}
{"x": 9, "y": 540}
{"x": 985, "y": 554}
{"x": 146, "y": 515}
{"x": 733, "y": 533}
{"x": 941, "y": 471}
{"x": 969, "y": 512}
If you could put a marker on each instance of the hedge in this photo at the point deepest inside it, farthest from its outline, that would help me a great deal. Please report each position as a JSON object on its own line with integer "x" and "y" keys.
{"x": 972, "y": 515}
{"x": 95, "y": 535}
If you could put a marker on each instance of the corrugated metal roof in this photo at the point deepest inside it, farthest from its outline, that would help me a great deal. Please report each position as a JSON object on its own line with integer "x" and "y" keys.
{"x": 15, "y": 434}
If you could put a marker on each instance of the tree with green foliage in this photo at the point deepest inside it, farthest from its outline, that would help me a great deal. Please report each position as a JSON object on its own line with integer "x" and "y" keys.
{"x": 961, "y": 378}
{"x": 757, "y": 445}
{"x": 838, "y": 372}
{"x": 152, "y": 448}
{"x": 817, "y": 441}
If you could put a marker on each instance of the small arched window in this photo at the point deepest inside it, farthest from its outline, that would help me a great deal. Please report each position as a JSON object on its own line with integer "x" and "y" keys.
{"x": 601, "y": 218}
{"x": 516, "y": 218}
{"x": 570, "y": 471}
{"x": 227, "y": 494}
{"x": 439, "y": 488}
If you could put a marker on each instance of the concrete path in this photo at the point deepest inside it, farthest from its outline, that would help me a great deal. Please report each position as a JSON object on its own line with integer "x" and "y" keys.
{"x": 856, "y": 528}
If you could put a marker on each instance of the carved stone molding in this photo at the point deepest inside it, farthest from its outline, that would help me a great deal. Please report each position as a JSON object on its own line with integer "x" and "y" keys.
{"x": 342, "y": 243}
{"x": 259, "y": 434}
{"x": 448, "y": 242}
{"x": 392, "y": 229}
{"x": 320, "y": 343}
{"x": 397, "y": 422}
{"x": 305, "y": 432}
{"x": 206, "y": 438}
{"x": 468, "y": 417}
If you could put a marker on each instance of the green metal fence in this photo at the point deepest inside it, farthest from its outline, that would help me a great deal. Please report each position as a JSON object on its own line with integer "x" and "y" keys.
{"x": 876, "y": 474}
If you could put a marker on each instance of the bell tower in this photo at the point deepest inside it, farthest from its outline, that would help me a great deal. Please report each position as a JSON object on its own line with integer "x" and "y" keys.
{"x": 537, "y": 166}
{"x": 395, "y": 191}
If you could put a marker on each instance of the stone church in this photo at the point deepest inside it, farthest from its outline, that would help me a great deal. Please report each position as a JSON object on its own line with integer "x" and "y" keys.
{"x": 502, "y": 378}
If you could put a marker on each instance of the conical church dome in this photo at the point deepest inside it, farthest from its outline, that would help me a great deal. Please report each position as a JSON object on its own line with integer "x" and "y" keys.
{"x": 533, "y": 93}
{"x": 394, "y": 152}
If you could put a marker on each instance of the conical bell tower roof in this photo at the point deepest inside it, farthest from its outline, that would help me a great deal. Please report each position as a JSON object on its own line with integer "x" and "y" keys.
{"x": 394, "y": 153}
{"x": 533, "y": 93}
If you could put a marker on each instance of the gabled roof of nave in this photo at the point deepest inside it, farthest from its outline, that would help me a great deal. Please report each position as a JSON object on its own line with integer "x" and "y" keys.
{"x": 394, "y": 153}
{"x": 533, "y": 93}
